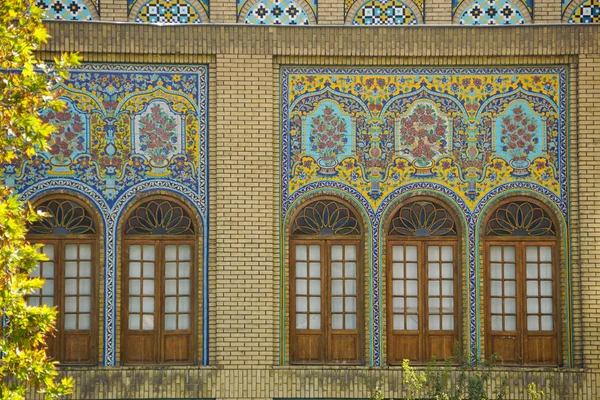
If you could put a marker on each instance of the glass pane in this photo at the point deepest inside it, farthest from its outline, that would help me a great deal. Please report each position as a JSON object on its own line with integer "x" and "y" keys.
{"x": 411, "y": 270}
{"x": 85, "y": 268}
{"x": 434, "y": 288}
{"x": 398, "y": 322}
{"x": 315, "y": 287}
{"x": 135, "y": 269}
{"x": 532, "y": 271}
{"x": 510, "y": 288}
{"x": 412, "y": 288}
{"x": 337, "y": 321}
{"x": 533, "y": 306}
{"x": 412, "y": 305}
{"x": 301, "y": 252}
{"x": 148, "y": 322}
{"x": 433, "y": 253}
{"x": 315, "y": 322}
{"x": 510, "y": 306}
{"x": 496, "y": 271}
{"x": 85, "y": 251}
{"x": 170, "y": 252}
{"x": 70, "y": 286}
{"x": 448, "y": 288}
{"x": 170, "y": 304}
{"x": 337, "y": 270}
{"x": 547, "y": 323}
{"x": 315, "y": 252}
{"x": 337, "y": 286}
{"x": 351, "y": 304}
{"x": 148, "y": 287}
{"x": 184, "y": 269}
{"x": 337, "y": 304}
{"x": 148, "y": 270}
{"x": 496, "y": 305}
{"x": 447, "y": 270}
{"x": 412, "y": 322}
{"x": 70, "y": 304}
{"x": 183, "y": 321}
{"x": 533, "y": 323}
{"x": 531, "y": 253}
{"x": 70, "y": 321}
{"x": 48, "y": 270}
{"x": 148, "y": 304}
{"x": 546, "y": 306}
{"x": 398, "y": 253}
{"x": 184, "y": 286}
{"x": 70, "y": 269}
{"x": 85, "y": 321}
{"x": 350, "y": 287}
{"x": 546, "y": 271}
{"x": 71, "y": 252}
{"x": 434, "y": 322}
{"x": 135, "y": 252}
{"x": 48, "y": 250}
{"x": 337, "y": 252}
{"x": 148, "y": 255}
{"x": 134, "y": 304}
{"x": 509, "y": 253}
{"x": 350, "y": 253}
{"x": 532, "y": 288}
{"x": 85, "y": 304}
{"x": 496, "y": 322}
{"x": 350, "y": 321}
{"x": 134, "y": 286}
{"x": 315, "y": 270}
{"x": 301, "y": 321}
{"x": 184, "y": 252}
{"x": 184, "y": 304}
{"x": 85, "y": 286}
{"x": 301, "y": 270}
{"x": 170, "y": 322}
{"x": 315, "y": 304}
{"x": 301, "y": 304}
{"x": 134, "y": 322}
{"x": 448, "y": 322}
{"x": 434, "y": 271}
{"x": 48, "y": 288}
{"x": 170, "y": 287}
{"x": 301, "y": 286}
{"x": 510, "y": 323}
{"x": 49, "y": 301}
{"x": 398, "y": 271}
{"x": 411, "y": 253}
{"x": 350, "y": 270}
{"x": 545, "y": 253}
{"x": 495, "y": 253}
{"x": 447, "y": 253}
{"x": 434, "y": 305}
{"x": 546, "y": 288}
{"x": 509, "y": 271}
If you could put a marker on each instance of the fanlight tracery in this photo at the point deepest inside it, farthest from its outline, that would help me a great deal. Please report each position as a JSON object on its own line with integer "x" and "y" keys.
{"x": 63, "y": 217}
{"x": 326, "y": 217}
{"x": 520, "y": 218}
{"x": 159, "y": 217}
{"x": 422, "y": 218}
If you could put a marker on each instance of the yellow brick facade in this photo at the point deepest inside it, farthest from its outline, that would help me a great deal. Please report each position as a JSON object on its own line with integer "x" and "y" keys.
{"x": 245, "y": 314}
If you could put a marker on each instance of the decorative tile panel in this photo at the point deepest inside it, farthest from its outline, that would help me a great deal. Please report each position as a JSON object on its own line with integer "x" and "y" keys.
{"x": 494, "y": 12}
{"x": 268, "y": 4}
{"x": 68, "y": 10}
{"x": 126, "y": 129}
{"x": 588, "y": 12}
{"x": 384, "y": 12}
{"x": 168, "y": 12}
{"x": 276, "y": 12}
{"x": 466, "y": 134}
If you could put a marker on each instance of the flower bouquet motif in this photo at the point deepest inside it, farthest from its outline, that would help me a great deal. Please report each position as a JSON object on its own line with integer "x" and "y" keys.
{"x": 327, "y": 139}
{"x": 68, "y": 138}
{"x": 423, "y": 135}
{"x": 158, "y": 136}
{"x": 518, "y": 138}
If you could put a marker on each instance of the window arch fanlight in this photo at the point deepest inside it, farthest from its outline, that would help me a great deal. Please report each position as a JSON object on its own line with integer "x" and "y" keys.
{"x": 521, "y": 275}
{"x": 68, "y": 10}
{"x": 68, "y": 237}
{"x": 386, "y": 13}
{"x": 168, "y": 12}
{"x": 326, "y": 304}
{"x": 422, "y": 282}
{"x": 278, "y": 12}
{"x": 584, "y": 12}
{"x": 159, "y": 283}
{"x": 493, "y": 12}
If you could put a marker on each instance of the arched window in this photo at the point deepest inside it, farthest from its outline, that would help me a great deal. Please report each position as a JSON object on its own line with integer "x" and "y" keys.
{"x": 68, "y": 236}
{"x": 326, "y": 285}
{"x": 159, "y": 284}
{"x": 521, "y": 283}
{"x": 422, "y": 283}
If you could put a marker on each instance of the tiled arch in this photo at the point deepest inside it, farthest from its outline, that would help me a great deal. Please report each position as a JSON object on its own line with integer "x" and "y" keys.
{"x": 180, "y": 12}
{"x": 582, "y": 12}
{"x": 69, "y": 10}
{"x": 385, "y": 13}
{"x": 495, "y": 12}
{"x": 277, "y": 12}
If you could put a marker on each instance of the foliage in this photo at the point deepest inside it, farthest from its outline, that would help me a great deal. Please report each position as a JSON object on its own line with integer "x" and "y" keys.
{"x": 534, "y": 392}
{"x": 413, "y": 380}
{"x": 25, "y": 84}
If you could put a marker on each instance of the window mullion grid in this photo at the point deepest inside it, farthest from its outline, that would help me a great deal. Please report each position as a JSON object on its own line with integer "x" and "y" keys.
{"x": 326, "y": 315}
{"x": 159, "y": 293}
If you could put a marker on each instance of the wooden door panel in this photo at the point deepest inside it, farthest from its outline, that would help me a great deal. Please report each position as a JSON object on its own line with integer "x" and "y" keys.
{"x": 140, "y": 348}
{"x": 541, "y": 349}
{"x": 440, "y": 346}
{"x": 507, "y": 347}
{"x": 177, "y": 348}
{"x": 77, "y": 347}
{"x": 308, "y": 348}
{"x": 344, "y": 347}
{"x": 404, "y": 346}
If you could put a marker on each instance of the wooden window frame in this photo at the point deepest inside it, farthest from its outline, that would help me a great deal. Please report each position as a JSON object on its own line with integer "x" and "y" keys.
{"x": 422, "y": 243}
{"x": 520, "y": 243}
{"x": 159, "y": 242}
{"x": 326, "y": 243}
{"x": 57, "y": 344}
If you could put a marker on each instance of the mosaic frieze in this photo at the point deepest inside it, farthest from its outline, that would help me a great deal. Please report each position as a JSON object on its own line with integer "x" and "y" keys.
{"x": 168, "y": 12}
{"x": 68, "y": 10}
{"x": 492, "y": 12}
{"x": 469, "y": 135}
{"x": 276, "y": 12}
{"x": 588, "y": 12}
{"x": 392, "y": 12}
